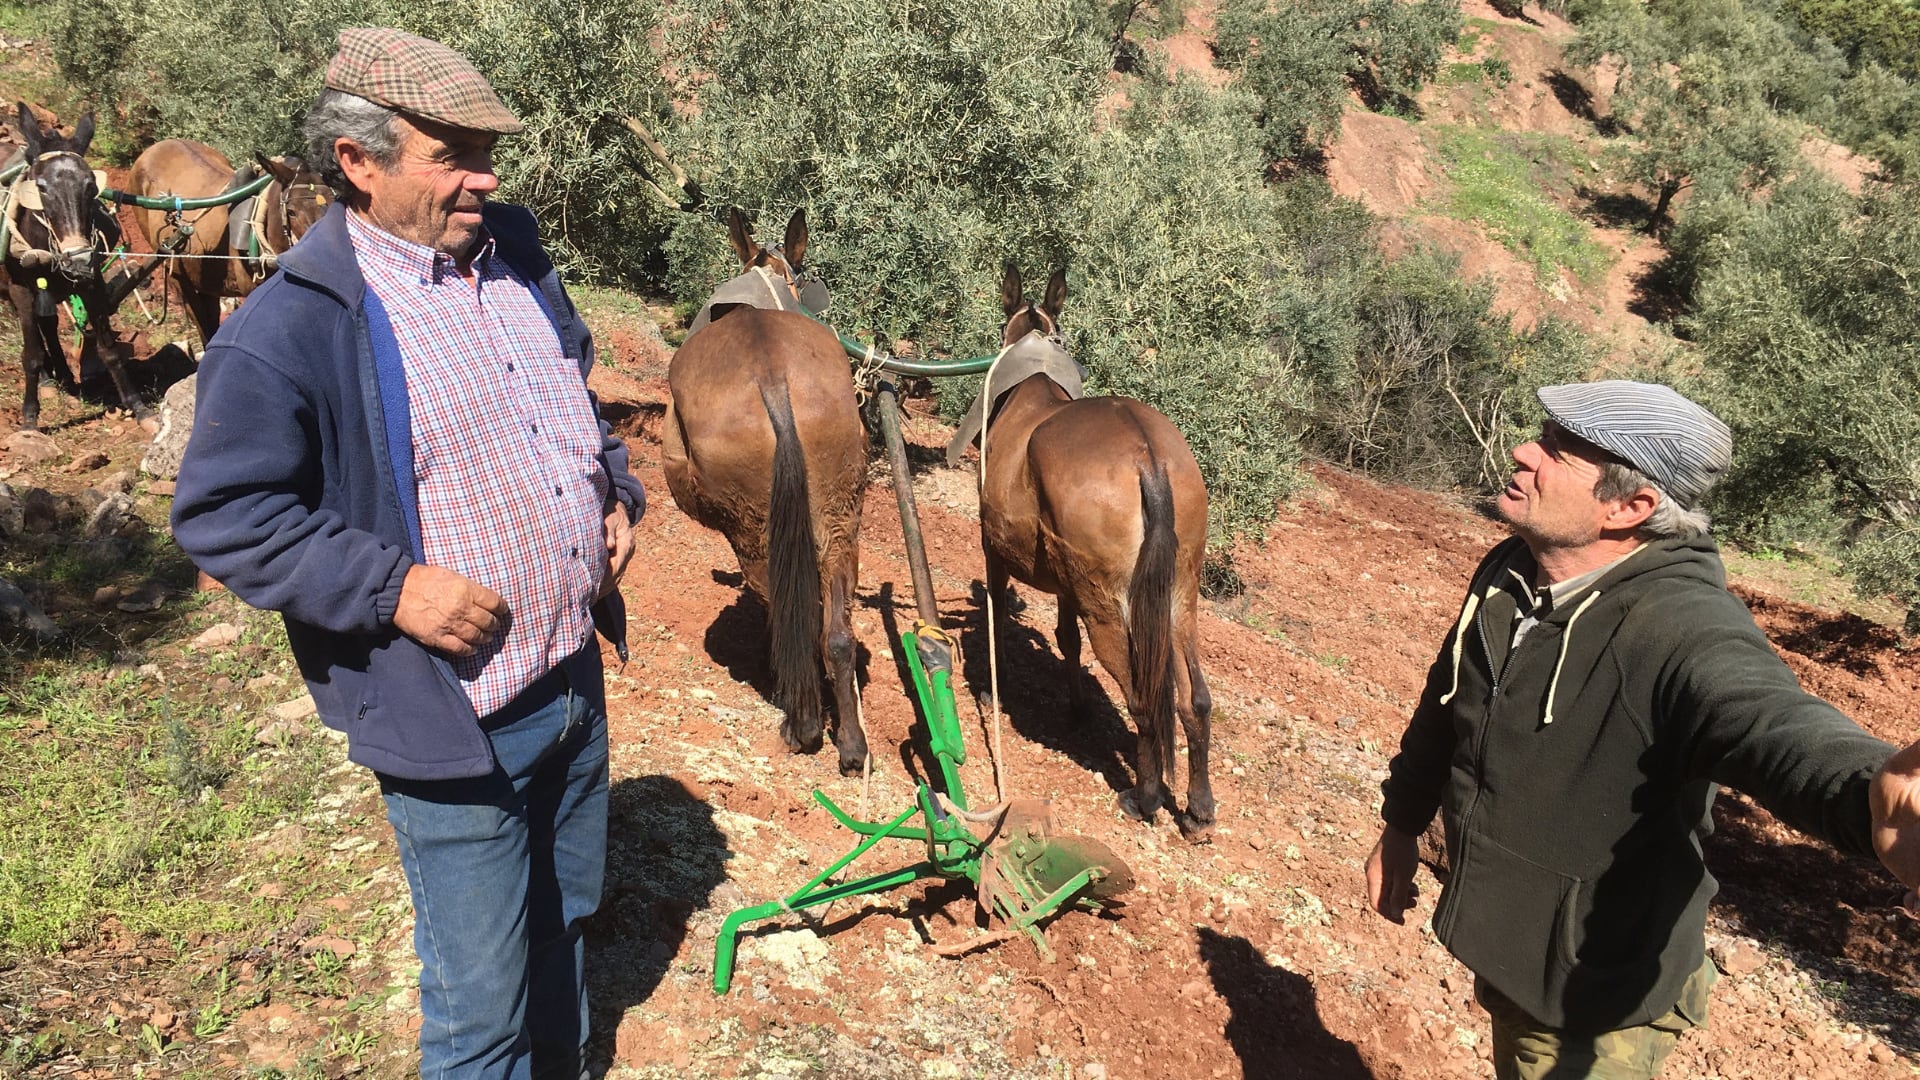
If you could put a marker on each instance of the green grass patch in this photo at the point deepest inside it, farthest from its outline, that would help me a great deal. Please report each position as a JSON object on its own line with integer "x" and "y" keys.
{"x": 1498, "y": 181}
{"x": 121, "y": 797}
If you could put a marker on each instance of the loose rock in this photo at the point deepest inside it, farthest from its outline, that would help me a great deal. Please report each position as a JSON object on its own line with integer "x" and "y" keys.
{"x": 162, "y": 459}
{"x": 32, "y": 447}
{"x": 113, "y": 517}
{"x": 89, "y": 461}
{"x": 17, "y": 610}
{"x": 298, "y": 709}
{"x": 217, "y": 636}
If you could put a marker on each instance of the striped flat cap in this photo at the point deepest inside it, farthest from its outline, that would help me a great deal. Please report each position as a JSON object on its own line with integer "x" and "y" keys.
{"x": 1676, "y": 443}
{"x": 417, "y": 76}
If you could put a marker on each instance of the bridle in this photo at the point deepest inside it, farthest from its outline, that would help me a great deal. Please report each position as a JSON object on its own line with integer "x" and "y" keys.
{"x": 806, "y": 287}
{"x": 60, "y": 260}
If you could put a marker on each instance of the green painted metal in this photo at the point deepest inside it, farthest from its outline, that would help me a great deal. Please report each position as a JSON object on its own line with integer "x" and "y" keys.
{"x": 930, "y": 660}
{"x": 973, "y": 365}
{"x": 1020, "y": 869}
{"x": 174, "y": 202}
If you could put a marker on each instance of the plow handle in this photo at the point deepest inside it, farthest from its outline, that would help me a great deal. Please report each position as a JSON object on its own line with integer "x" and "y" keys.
{"x": 887, "y": 398}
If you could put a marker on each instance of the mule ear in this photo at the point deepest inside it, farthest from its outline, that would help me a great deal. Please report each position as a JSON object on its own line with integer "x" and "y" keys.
{"x": 1011, "y": 296}
{"x": 794, "y": 247}
{"x": 82, "y": 135}
{"x": 279, "y": 168}
{"x": 1056, "y": 296}
{"x": 740, "y": 238}
{"x": 29, "y": 130}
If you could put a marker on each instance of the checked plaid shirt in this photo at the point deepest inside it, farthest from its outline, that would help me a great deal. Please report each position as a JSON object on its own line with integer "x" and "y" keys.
{"x": 505, "y": 451}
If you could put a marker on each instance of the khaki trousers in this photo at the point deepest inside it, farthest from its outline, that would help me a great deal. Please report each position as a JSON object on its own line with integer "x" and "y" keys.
{"x": 1526, "y": 1049}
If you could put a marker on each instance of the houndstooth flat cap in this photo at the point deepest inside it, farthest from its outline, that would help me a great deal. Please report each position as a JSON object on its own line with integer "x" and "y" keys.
{"x": 1676, "y": 443}
{"x": 417, "y": 76}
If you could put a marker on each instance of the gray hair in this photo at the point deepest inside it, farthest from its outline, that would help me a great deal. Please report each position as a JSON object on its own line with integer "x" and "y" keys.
{"x": 1669, "y": 518}
{"x": 339, "y": 115}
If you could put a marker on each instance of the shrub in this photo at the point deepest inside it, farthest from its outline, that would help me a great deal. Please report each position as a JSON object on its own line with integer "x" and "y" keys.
{"x": 1439, "y": 387}
{"x": 1300, "y": 59}
{"x": 1808, "y": 324}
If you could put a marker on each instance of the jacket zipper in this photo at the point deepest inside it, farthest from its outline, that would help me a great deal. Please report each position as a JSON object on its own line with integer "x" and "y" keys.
{"x": 1479, "y": 765}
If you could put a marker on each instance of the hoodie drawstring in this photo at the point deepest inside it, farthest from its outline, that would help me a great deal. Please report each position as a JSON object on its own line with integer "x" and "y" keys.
{"x": 1566, "y": 639}
{"x": 1460, "y": 641}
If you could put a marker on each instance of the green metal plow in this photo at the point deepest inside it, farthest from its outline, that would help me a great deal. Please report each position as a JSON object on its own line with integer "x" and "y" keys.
{"x": 1023, "y": 872}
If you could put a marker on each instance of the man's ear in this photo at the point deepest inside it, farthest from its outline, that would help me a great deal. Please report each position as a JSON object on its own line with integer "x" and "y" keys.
{"x": 1633, "y": 511}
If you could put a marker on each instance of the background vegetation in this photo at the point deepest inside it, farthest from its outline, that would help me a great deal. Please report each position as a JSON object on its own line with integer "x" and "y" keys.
{"x": 1211, "y": 271}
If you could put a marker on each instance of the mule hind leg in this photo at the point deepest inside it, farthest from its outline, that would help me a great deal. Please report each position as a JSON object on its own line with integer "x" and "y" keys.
{"x": 1195, "y": 705}
{"x": 840, "y": 653}
{"x": 1067, "y": 632}
{"x": 1149, "y": 793}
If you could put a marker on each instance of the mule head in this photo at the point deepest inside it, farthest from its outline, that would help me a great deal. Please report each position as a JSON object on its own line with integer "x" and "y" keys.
{"x": 783, "y": 260}
{"x": 303, "y": 195}
{"x": 66, "y": 192}
{"x": 1025, "y": 317}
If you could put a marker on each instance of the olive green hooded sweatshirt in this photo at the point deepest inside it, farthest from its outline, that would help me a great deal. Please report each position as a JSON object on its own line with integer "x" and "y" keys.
{"x": 1577, "y": 772}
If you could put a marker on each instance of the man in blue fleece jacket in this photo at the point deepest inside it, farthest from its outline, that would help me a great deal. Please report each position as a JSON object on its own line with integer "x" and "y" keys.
{"x": 1599, "y": 685}
{"x": 395, "y": 448}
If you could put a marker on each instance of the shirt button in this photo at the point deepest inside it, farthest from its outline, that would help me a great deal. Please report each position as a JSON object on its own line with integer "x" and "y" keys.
{"x": 576, "y": 553}
{"x": 509, "y": 365}
{"x": 556, "y": 489}
{"x": 535, "y": 427}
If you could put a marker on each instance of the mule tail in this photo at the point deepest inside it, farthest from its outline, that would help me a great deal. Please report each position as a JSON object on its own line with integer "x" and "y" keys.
{"x": 793, "y": 571}
{"x": 1150, "y": 611}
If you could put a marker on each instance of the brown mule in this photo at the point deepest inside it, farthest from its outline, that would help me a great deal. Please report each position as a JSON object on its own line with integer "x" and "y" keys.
{"x": 56, "y": 251}
{"x": 1100, "y": 502}
{"x": 288, "y": 207}
{"x": 763, "y": 443}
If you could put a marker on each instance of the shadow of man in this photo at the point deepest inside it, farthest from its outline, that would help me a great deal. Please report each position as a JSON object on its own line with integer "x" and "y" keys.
{"x": 1275, "y": 1026}
{"x": 665, "y": 856}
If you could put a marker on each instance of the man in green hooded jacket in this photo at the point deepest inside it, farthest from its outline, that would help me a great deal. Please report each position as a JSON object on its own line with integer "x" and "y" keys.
{"x": 1597, "y": 688}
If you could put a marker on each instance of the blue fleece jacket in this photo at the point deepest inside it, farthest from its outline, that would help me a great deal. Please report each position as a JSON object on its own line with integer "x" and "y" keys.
{"x": 297, "y": 493}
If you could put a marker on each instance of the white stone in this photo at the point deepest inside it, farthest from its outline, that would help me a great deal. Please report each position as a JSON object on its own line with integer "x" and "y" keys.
{"x": 298, "y": 709}
{"x": 217, "y": 636}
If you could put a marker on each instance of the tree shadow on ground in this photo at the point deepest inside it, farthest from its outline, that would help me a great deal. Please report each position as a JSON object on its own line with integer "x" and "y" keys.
{"x": 1573, "y": 96}
{"x": 1836, "y": 915}
{"x": 106, "y": 594}
{"x": 1659, "y": 293}
{"x": 1614, "y": 209}
{"x": 665, "y": 857}
{"x": 1275, "y": 1027}
{"x": 1834, "y": 639}
{"x": 1034, "y": 694}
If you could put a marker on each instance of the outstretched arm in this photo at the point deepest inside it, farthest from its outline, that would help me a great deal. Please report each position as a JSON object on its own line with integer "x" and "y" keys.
{"x": 1894, "y": 798}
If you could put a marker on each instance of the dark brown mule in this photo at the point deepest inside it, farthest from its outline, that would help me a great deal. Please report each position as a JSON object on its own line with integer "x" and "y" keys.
{"x": 1100, "y": 502}
{"x": 58, "y": 237}
{"x": 282, "y": 213}
{"x": 763, "y": 442}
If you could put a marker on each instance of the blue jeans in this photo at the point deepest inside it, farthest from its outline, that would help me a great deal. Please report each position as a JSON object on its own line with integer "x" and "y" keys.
{"x": 503, "y": 868}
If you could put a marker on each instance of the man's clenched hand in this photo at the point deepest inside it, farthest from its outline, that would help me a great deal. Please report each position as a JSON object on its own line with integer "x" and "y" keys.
{"x": 442, "y": 610}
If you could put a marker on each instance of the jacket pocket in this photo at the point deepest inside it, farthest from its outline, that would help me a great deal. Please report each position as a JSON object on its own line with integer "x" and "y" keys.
{"x": 1513, "y": 922}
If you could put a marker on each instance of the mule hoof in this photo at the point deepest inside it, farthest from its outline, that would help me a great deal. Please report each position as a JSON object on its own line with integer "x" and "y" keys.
{"x": 799, "y": 744}
{"x": 1193, "y": 829}
{"x": 854, "y": 765}
{"x": 1136, "y": 808}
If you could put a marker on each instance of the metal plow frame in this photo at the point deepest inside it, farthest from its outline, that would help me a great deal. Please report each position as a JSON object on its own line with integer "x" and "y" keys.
{"x": 1022, "y": 872}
